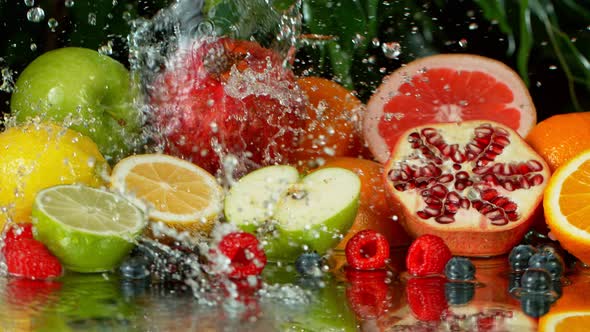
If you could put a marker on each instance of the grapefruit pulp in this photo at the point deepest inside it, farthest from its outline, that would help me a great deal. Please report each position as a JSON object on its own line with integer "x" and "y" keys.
{"x": 445, "y": 88}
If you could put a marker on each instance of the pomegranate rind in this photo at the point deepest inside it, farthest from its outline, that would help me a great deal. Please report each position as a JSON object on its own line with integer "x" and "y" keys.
{"x": 389, "y": 88}
{"x": 471, "y": 233}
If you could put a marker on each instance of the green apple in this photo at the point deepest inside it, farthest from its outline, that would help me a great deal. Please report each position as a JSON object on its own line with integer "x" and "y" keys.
{"x": 84, "y": 90}
{"x": 291, "y": 214}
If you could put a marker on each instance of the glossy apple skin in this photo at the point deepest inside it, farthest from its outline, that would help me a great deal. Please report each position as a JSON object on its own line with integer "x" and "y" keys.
{"x": 85, "y": 91}
{"x": 223, "y": 97}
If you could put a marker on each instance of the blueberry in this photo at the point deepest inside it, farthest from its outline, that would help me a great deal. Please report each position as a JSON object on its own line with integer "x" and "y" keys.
{"x": 514, "y": 284}
{"x": 460, "y": 268}
{"x": 309, "y": 264}
{"x": 536, "y": 305}
{"x": 551, "y": 262}
{"x": 458, "y": 293}
{"x": 134, "y": 288}
{"x": 536, "y": 281}
{"x": 135, "y": 267}
{"x": 520, "y": 255}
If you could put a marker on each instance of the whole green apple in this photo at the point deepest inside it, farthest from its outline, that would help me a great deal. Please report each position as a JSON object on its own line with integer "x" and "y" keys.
{"x": 84, "y": 90}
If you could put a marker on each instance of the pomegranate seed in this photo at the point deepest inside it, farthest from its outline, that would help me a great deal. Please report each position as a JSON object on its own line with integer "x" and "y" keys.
{"x": 446, "y": 178}
{"x": 432, "y": 211}
{"x": 477, "y": 204}
{"x": 439, "y": 191}
{"x": 465, "y": 203}
{"x": 502, "y": 140}
{"x": 422, "y": 215}
{"x": 499, "y": 201}
{"x": 462, "y": 175}
{"x": 499, "y": 221}
{"x": 536, "y": 179}
{"x": 510, "y": 207}
{"x": 489, "y": 194}
{"x": 456, "y": 167}
{"x": 501, "y": 131}
{"x": 535, "y": 166}
{"x": 486, "y": 208}
{"x": 495, "y": 148}
{"x": 445, "y": 219}
{"x": 512, "y": 216}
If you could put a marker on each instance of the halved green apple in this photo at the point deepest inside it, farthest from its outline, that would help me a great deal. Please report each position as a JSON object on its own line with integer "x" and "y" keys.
{"x": 290, "y": 214}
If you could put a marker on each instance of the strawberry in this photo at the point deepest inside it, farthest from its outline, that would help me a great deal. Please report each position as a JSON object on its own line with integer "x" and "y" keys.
{"x": 245, "y": 253}
{"x": 29, "y": 258}
{"x": 18, "y": 231}
{"x": 426, "y": 297}
{"x": 367, "y": 250}
{"x": 428, "y": 254}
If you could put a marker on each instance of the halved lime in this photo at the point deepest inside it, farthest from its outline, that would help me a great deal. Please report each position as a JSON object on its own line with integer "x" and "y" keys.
{"x": 88, "y": 229}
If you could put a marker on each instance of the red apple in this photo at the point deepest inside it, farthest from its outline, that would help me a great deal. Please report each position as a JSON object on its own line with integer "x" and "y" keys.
{"x": 227, "y": 96}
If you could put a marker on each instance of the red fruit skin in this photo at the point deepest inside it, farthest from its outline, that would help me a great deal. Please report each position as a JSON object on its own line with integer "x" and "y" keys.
{"x": 426, "y": 297}
{"x": 29, "y": 258}
{"x": 234, "y": 245}
{"x": 18, "y": 231}
{"x": 427, "y": 255}
{"x": 25, "y": 292}
{"x": 367, "y": 293}
{"x": 195, "y": 102}
{"x": 367, "y": 250}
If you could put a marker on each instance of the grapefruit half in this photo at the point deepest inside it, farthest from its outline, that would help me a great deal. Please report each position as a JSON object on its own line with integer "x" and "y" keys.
{"x": 445, "y": 88}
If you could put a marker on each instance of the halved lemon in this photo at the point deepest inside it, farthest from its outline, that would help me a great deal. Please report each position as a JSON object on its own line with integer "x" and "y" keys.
{"x": 567, "y": 205}
{"x": 171, "y": 190}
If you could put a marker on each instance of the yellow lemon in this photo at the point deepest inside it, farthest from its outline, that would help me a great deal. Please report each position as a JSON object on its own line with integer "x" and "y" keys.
{"x": 36, "y": 156}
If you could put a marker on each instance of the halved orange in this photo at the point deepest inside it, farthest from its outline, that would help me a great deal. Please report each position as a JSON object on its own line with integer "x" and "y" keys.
{"x": 171, "y": 190}
{"x": 567, "y": 205}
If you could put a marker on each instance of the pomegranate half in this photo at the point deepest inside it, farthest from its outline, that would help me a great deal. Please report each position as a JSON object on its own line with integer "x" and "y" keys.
{"x": 476, "y": 184}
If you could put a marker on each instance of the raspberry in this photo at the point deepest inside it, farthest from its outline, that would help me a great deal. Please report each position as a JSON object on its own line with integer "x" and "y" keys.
{"x": 245, "y": 253}
{"x": 426, "y": 297}
{"x": 17, "y": 232}
{"x": 428, "y": 254}
{"x": 367, "y": 250}
{"x": 368, "y": 293}
{"x": 29, "y": 258}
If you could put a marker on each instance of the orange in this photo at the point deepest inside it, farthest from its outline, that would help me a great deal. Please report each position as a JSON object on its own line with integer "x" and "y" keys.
{"x": 174, "y": 191}
{"x": 332, "y": 128}
{"x": 567, "y": 205}
{"x": 571, "y": 312}
{"x": 559, "y": 138}
{"x": 375, "y": 211}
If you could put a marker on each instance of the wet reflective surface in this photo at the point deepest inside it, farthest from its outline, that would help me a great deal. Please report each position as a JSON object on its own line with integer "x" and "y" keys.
{"x": 341, "y": 301}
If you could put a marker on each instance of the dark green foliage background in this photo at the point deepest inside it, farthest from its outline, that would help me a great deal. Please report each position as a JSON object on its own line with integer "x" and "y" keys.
{"x": 532, "y": 36}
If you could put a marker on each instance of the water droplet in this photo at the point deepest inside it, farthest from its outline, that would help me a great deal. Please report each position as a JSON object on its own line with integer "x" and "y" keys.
{"x": 7, "y": 82}
{"x": 106, "y": 49}
{"x": 69, "y": 3}
{"x": 29, "y": 3}
{"x": 33, "y": 47}
{"x": 376, "y": 42}
{"x": 36, "y": 14}
{"x": 126, "y": 16}
{"x": 552, "y": 67}
{"x": 52, "y": 24}
{"x": 473, "y": 26}
{"x": 391, "y": 50}
{"x": 463, "y": 42}
{"x": 92, "y": 19}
